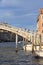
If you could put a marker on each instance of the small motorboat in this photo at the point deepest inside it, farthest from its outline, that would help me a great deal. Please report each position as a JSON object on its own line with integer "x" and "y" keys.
{"x": 27, "y": 47}
{"x": 39, "y": 53}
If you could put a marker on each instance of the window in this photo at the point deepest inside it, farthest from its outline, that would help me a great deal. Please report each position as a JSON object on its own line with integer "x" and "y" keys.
{"x": 37, "y": 19}
{"x": 42, "y": 24}
{"x": 42, "y": 31}
{"x": 42, "y": 17}
{"x": 37, "y": 26}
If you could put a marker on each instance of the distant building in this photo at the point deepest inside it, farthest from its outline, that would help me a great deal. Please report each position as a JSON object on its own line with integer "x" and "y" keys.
{"x": 40, "y": 22}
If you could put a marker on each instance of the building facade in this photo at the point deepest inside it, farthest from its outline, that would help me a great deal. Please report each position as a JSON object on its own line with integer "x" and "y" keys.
{"x": 40, "y": 22}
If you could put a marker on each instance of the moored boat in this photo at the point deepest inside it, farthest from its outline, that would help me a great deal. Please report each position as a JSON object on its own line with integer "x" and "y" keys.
{"x": 27, "y": 47}
{"x": 39, "y": 53}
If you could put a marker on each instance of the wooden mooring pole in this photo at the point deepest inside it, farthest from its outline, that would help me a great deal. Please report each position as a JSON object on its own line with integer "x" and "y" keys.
{"x": 40, "y": 43}
{"x": 25, "y": 44}
{"x": 33, "y": 42}
{"x": 23, "y": 41}
{"x": 16, "y": 43}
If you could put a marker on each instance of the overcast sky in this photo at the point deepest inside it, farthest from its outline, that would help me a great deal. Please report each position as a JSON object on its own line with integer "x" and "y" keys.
{"x": 20, "y": 13}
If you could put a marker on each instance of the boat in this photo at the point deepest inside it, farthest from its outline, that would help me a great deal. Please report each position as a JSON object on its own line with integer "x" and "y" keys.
{"x": 27, "y": 47}
{"x": 20, "y": 42}
{"x": 39, "y": 52}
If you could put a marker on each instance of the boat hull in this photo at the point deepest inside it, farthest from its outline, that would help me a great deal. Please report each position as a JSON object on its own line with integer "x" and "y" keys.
{"x": 39, "y": 53}
{"x": 27, "y": 47}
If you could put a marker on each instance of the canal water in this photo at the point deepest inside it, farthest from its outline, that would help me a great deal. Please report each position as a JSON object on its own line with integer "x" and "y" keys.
{"x": 8, "y": 56}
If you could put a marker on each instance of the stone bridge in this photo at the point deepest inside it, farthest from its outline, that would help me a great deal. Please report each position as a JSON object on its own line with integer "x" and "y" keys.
{"x": 25, "y": 34}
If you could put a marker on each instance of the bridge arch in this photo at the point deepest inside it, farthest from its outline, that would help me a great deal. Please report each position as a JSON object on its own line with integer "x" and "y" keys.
{"x": 16, "y": 30}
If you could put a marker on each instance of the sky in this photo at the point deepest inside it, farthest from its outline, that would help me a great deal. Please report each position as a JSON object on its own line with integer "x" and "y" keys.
{"x": 20, "y": 13}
